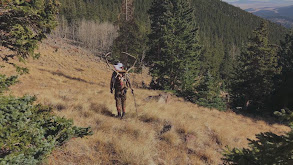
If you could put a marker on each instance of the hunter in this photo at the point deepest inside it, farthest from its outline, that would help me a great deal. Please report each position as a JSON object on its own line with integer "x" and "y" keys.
{"x": 120, "y": 83}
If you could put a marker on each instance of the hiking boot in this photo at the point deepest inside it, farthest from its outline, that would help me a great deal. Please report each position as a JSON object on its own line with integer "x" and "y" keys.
{"x": 123, "y": 114}
{"x": 119, "y": 114}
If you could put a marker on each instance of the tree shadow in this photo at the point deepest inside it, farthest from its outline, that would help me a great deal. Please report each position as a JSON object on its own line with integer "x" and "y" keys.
{"x": 59, "y": 73}
{"x": 101, "y": 109}
{"x": 105, "y": 111}
{"x": 268, "y": 118}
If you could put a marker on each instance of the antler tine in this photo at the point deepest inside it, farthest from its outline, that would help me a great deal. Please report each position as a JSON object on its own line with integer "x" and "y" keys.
{"x": 132, "y": 66}
{"x": 134, "y": 62}
{"x": 129, "y": 55}
{"x": 106, "y": 55}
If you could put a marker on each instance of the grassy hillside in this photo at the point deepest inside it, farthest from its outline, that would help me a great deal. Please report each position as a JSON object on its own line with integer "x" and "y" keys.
{"x": 76, "y": 84}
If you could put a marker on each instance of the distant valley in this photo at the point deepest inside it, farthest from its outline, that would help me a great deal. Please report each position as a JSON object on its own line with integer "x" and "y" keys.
{"x": 282, "y": 15}
{"x": 280, "y": 12}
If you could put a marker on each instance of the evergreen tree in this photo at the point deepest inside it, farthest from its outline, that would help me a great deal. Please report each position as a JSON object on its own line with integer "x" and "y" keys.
{"x": 208, "y": 93}
{"x": 286, "y": 53}
{"x": 226, "y": 69}
{"x": 284, "y": 98}
{"x": 258, "y": 65}
{"x": 174, "y": 48}
{"x": 130, "y": 38}
{"x": 24, "y": 24}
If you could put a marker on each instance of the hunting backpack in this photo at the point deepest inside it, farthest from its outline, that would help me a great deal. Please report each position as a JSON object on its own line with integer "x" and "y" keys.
{"x": 121, "y": 83}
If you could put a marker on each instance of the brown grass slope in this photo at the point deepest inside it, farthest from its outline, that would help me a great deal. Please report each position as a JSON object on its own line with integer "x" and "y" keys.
{"x": 76, "y": 84}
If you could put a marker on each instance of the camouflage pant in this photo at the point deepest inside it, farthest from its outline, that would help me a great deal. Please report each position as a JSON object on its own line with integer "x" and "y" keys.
{"x": 120, "y": 100}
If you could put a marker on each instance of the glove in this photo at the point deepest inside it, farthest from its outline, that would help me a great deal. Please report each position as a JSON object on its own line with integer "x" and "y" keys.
{"x": 132, "y": 91}
{"x": 111, "y": 90}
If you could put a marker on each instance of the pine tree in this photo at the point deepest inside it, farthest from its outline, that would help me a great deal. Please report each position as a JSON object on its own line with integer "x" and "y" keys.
{"x": 24, "y": 24}
{"x": 284, "y": 97}
{"x": 174, "y": 48}
{"x": 258, "y": 65}
{"x": 130, "y": 38}
{"x": 208, "y": 93}
{"x": 227, "y": 66}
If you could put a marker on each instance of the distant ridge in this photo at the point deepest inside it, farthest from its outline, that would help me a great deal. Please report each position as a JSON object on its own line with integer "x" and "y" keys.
{"x": 219, "y": 20}
{"x": 281, "y": 15}
{"x": 244, "y": 4}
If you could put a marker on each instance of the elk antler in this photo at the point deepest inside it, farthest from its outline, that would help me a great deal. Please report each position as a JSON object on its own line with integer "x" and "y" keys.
{"x": 106, "y": 55}
{"x": 133, "y": 63}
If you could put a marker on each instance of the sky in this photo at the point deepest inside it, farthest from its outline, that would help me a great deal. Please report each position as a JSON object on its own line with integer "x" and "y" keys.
{"x": 259, "y": 3}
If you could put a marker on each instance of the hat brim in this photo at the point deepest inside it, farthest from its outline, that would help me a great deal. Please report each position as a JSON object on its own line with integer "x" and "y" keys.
{"x": 117, "y": 68}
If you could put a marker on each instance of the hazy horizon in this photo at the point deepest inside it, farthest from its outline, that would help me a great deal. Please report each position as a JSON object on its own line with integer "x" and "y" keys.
{"x": 245, "y": 4}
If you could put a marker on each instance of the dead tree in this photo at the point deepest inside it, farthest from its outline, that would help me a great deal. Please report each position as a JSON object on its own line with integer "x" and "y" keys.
{"x": 127, "y": 10}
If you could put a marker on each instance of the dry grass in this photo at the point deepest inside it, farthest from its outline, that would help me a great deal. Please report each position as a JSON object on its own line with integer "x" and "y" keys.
{"x": 75, "y": 83}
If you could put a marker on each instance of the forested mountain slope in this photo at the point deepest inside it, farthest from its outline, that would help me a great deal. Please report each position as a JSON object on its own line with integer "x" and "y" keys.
{"x": 223, "y": 27}
{"x": 216, "y": 19}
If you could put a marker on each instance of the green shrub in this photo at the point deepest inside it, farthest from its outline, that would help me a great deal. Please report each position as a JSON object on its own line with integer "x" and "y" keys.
{"x": 267, "y": 149}
{"x": 215, "y": 102}
{"x": 5, "y": 82}
{"x": 28, "y": 132}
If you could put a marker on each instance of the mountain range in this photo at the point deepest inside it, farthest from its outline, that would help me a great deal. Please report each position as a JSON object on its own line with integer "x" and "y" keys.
{"x": 282, "y": 15}
{"x": 280, "y": 11}
{"x": 246, "y": 4}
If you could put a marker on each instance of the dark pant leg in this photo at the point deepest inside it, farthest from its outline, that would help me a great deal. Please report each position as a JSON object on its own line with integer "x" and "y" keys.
{"x": 118, "y": 102}
{"x": 123, "y": 102}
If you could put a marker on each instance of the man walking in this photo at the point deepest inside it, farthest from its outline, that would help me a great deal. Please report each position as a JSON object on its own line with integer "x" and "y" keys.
{"x": 120, "y": 83}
